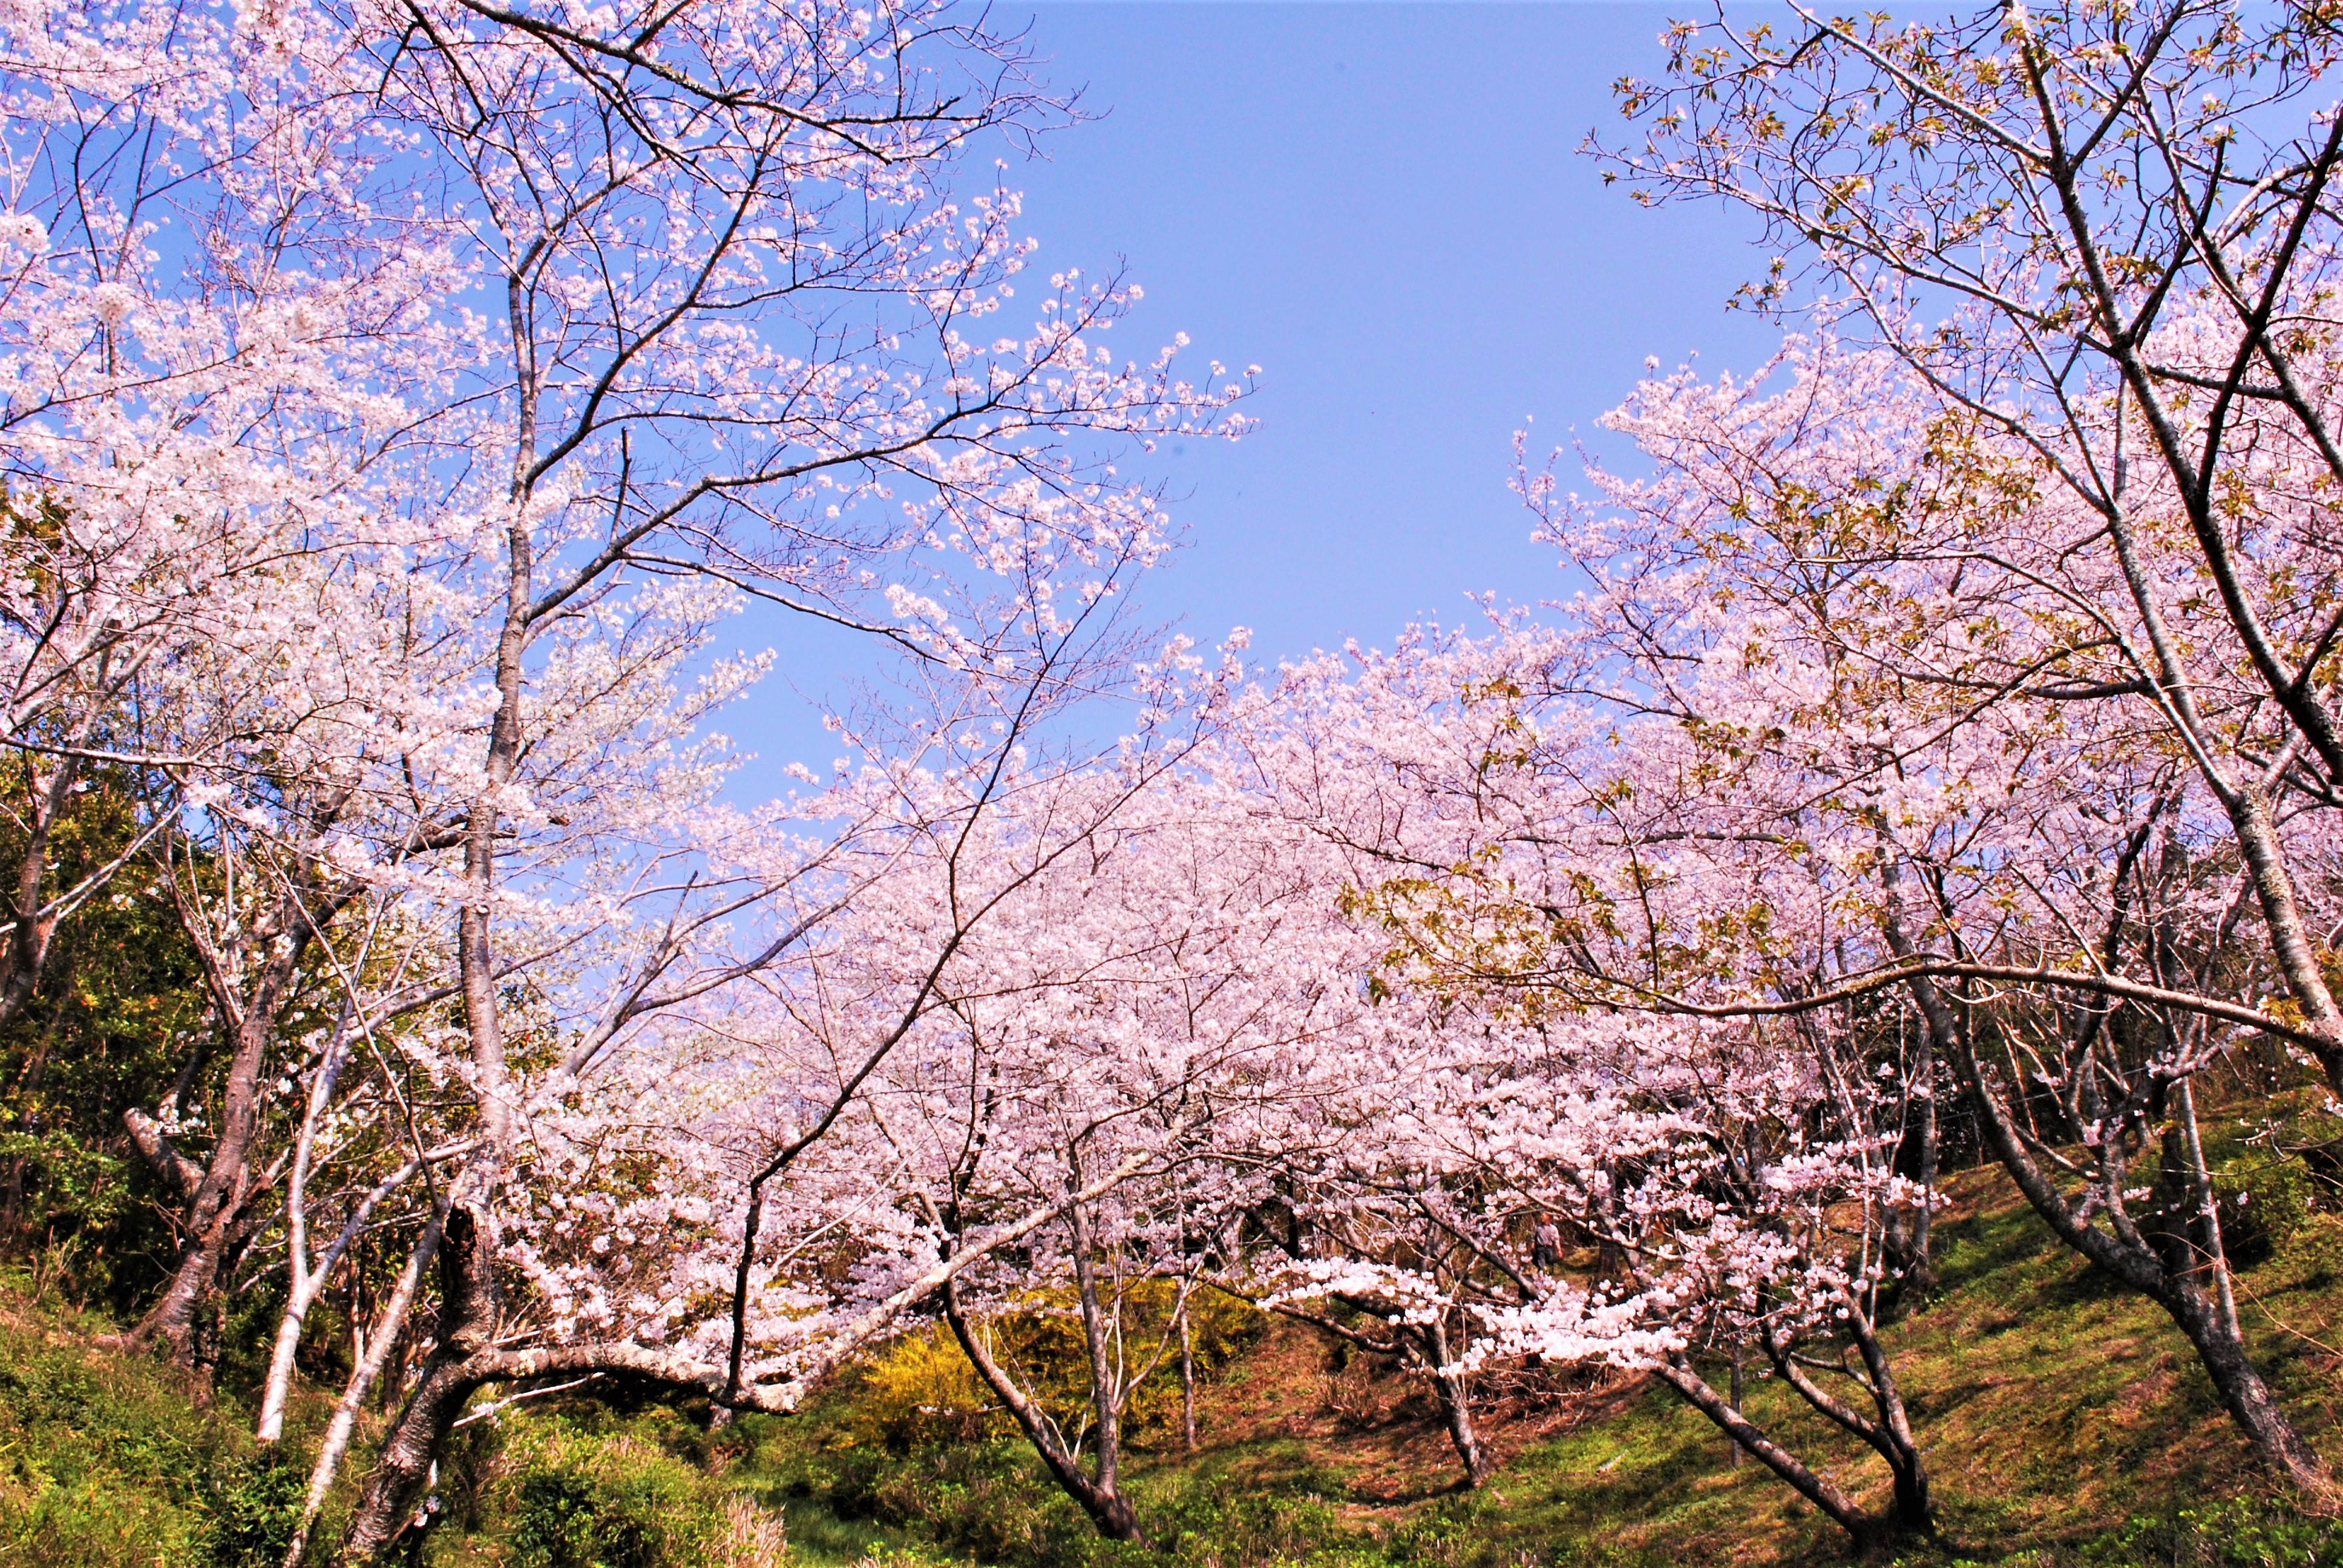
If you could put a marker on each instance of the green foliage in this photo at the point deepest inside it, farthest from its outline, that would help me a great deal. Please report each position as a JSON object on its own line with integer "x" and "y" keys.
{"x": 988, "y": 1502}
{"x": 2263, "y": 1199}
{"x": 104, "y": 1460}
{"x": 2070, "y": 1427}
{"x": 255, "y": 1506}
{"x": 2242, "y": 1532}
{"x": 78, "y": 1182}
{"x": 120, "y": 1008}
{"x": 1221, "y": 1521}
{"x": 586, "y": 1501}
{"x": 598, "y": 1492}
{"x": 993, "y": 1504}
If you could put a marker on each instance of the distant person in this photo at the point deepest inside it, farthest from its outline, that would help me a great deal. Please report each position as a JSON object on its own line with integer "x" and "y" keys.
{"x": 1546, "y": 1244}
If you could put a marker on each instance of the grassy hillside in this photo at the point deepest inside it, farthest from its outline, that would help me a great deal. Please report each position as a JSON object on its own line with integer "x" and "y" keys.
{"x": 2066, "y": 1424}
{"x": 106, "y": 1460}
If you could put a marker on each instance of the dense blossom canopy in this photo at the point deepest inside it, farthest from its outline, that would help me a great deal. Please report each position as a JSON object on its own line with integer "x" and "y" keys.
{"x": 399, "y": 403}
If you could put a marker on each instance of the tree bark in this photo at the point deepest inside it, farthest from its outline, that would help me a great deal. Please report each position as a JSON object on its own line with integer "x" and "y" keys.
{"x": 2209, "y": 1332}
{"x": 449, "y": 1377}
{"x": 227, "y": 1185}
{"x": 1110, "y": 1512}
{"x": 1456, "y": 1393}
{"x": 1106, "y": 1387}
{"x": 1888, "y": 1431}
{"x": 388, "y": 1330}
{"x": 1733, "y": 1450}
{"x": 1677, "y": 1373}
{"x": 32, "y": 929}
{"x": 307, "y": 1283}
{"x": 1187, "y": 1379}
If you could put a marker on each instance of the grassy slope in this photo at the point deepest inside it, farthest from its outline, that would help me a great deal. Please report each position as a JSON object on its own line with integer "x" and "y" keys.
{"x": 114, "y": 1461}
{"x": 2053, "y": 1412}
{"x": 103, "y": 1460}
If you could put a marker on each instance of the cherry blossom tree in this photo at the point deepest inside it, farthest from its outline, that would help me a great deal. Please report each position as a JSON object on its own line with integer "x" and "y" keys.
{"x": 2103, "y": 234}
{"x": 522, "y": 349}
{"x": 1931, "y": 663}
{"x": 1185, "y": 994}
{"x": 1740, "y": 1183}
{"x": 1842, "y": 715}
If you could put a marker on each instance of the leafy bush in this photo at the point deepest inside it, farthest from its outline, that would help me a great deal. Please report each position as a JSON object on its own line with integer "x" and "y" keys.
{"x": 607, "y": 1503}
{"x": 104, "y": 1459}
{"x": 255, "y": 1506}
{"x": 2263, "y": 1201}
{"x": 990, "y": 1502}
{"x": 574, "y": 1499}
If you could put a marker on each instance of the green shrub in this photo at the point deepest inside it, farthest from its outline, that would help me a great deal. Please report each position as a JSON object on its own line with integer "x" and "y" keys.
{"x": 989, "y": 1502}
{"x": 255, "y": 1506}
{"x": 562, "y": 1497}
{"x": 2263, "y": 1201}
{"x": 593, "y": 1501}
{"x": 1227, "y": 1526}
{"x": 104, "y": 1459}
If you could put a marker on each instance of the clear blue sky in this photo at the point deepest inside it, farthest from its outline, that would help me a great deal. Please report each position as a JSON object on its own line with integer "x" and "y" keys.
{"x": 1385, "y": 207}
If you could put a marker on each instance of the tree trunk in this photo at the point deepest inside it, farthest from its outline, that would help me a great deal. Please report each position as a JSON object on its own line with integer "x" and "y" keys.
{"x": 1187, "y": 1382}
{"x": 2244, "y": 1392}
{"x": 27, "y": 953}
{"x": 227, "y": 1185}
{"x": 467, "y": 1246}
{"x": 1733, "y": 1444}
{"x": 1677, "y": 1373}
{"x": 1918, "y": 1273}
{"x": 388, "y": 1327}
{"x": 171, "y": 1322}
{"x": 1456, "y": 1393}
{"x": 1106, "y": 1386}
{"x": 2209, "y": 1332}
{"x": 1888, "y": 1430}
{"x": 1109, "y": 1512}
{"x": 466, "y": 1326}
{"x": 2248, "y": 812}
{"x": 308, "y": 1283}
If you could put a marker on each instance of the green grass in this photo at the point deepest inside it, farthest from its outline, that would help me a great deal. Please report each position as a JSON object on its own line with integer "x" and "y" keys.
{"x": 105, "y": 1461}
{"x": 2068, "y": 1425}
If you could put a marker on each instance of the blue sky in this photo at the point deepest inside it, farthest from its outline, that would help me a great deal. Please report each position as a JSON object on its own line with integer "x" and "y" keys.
{"x": 1385, "y": 207}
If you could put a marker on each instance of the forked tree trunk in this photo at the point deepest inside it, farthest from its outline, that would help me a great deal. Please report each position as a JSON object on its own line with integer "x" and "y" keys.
{"x": 1678, "y": 1372}
{"x": 308, "y": 1281}
{"x": 1455, "y": 1390}
{"x": 215, "y": 1208}
{"x": 1109, "y": 1510}
{"x": 1888, "y": 1430}
{"x": 389, "y": 1326}
{"x": 450, "y": 1376}
{"x": 1106, "y": 1387}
